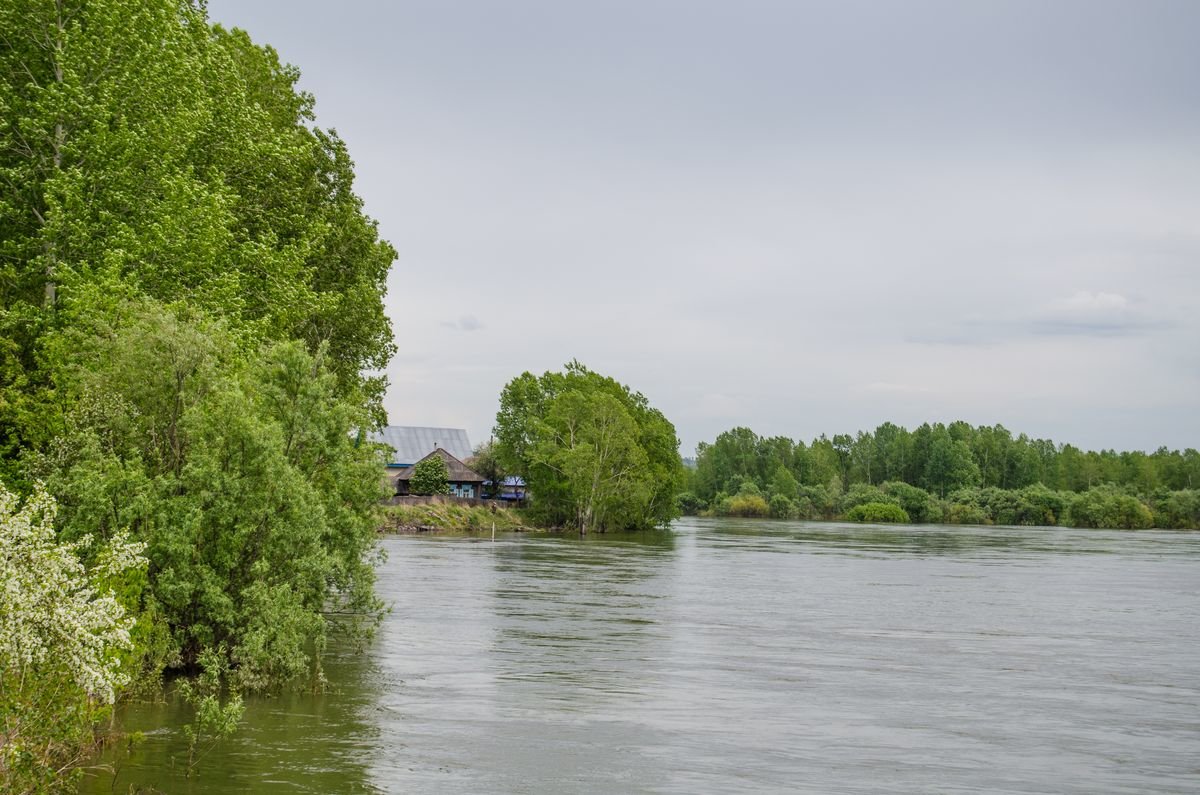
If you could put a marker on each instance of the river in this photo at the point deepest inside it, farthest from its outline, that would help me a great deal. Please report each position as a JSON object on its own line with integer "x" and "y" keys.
{"x": 741, "y": 656}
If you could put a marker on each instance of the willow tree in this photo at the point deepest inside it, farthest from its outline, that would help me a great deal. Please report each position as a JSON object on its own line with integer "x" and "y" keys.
{"x": 594, "y": 454}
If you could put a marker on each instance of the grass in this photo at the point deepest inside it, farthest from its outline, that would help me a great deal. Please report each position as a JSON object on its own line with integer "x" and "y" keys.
{"x": 450, "y": 517}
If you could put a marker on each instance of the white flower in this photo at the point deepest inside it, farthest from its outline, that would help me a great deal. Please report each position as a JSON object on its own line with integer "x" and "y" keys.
{"x": 52, "y": 615}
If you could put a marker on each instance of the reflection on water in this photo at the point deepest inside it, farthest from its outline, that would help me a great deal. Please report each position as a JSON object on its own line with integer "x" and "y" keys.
{"x": 747, "y": 656}
{"x": 296, "y": 742}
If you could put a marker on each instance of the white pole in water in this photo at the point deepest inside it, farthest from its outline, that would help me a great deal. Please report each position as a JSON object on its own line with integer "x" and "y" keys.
{"x": 493, "y": 530}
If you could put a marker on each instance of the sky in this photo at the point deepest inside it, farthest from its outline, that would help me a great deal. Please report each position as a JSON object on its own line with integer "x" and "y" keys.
{"x": 799, "y": 217}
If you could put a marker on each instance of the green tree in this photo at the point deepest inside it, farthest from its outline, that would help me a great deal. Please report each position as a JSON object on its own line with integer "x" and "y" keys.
{"x": 783, "y": 483}
{"x": 430, "y": 476}
{"x": 594, "y": 454}
{"x": 950, "y": 464}
{"x": 486, "y": 463}
{"x": 238, "y": 472}
{"x": 146, "y": 153}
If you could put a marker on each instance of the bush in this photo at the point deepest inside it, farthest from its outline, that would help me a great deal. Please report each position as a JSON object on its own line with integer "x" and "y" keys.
{"x": 919, "y": 504}
{"x": 1177, "y": 510}
{"x": 1042, "y": 506}
{"x": 1107, "y": 506}
{"x": 878, "y": 512}
{"x": 964, "y": 513}
{"x": 816, "y": 502}
{"x": 61, "y": 625}
{"x": 782, "y": 508}
{"x": 430, "y": 476}
{"x": 863, "y": 493}
{"x": 747, "y": 505}
{"x": 690, "y": 504}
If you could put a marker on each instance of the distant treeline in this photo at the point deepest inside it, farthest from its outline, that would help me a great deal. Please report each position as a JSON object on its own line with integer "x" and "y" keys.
{"x": 953, "y": 473}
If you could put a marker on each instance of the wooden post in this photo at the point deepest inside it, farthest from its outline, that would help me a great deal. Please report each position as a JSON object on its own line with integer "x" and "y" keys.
{"x": 493, "y": 530}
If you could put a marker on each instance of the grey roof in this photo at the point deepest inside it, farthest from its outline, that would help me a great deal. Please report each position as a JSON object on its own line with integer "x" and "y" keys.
{"x": 410, "y": 444}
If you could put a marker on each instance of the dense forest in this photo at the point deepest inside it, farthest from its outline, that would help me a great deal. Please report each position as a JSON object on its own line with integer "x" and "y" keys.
{"x": 952, "y": 473}
{"x": 189, "y": 295}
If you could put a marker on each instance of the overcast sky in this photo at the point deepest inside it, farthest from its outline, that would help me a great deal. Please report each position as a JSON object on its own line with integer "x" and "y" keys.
{"x": 802, "y": 217}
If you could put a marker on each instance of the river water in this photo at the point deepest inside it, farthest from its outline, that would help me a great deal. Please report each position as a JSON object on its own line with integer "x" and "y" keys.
{"x": 741, "y": 656}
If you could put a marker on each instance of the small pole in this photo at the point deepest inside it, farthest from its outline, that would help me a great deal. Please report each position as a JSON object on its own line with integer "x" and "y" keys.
{"x": 493, "y": 529}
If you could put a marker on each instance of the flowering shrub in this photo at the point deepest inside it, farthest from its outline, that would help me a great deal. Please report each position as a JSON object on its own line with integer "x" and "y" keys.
{"x": 60, "y": 629}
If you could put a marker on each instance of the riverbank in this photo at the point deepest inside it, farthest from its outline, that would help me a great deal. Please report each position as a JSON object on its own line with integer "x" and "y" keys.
{"x": 449, "y": 517}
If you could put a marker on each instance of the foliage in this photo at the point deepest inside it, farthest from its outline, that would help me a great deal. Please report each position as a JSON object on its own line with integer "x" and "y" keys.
{"x": 190, "y": 294}
{"x": 1177, "y": 509}
{"x": 61, "y": 628}
{"x": 1106, "y": 506}
{"x": 784, "y": 483}
{"x": 213, "y": 720}
{"x": 781, "y": 507}
{"x": 239, "y": 473}
{"x": 965, "y": 513}
{"x": 877, "y": 512}
{"x": 451, "y": 517}
{"x": 430, "y": 476}
{"x": 861, "y": 494}
{"x": 953, "y": 473}
{"x": 919, "y": 504}
{"x": 594, "y": 454}
{"x": 486, "y": 463}
{"x": 690, "y": 504}
{"x": 147, "y": 153}
{"x": 746, "y": 505}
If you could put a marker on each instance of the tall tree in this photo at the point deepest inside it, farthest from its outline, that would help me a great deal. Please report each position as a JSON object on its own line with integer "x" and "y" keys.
{"x": 595, "y": 455}
{"x": 145, "y": 153}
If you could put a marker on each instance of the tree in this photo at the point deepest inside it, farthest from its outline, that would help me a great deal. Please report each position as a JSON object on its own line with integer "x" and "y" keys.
{"x": 594, "y": 454}
{"x": 145, "y": 153}
{"x": 430, "y": 476}
{"x": 950, "y": 464}
{"x": 486, "y": 462}
{"x": 783, "y": 483}
{"x": 238, "y": 472}
{"x": 61, "y": 628}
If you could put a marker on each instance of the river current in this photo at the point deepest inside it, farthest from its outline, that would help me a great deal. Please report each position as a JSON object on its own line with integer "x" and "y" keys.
{"x": 740, "y": 656}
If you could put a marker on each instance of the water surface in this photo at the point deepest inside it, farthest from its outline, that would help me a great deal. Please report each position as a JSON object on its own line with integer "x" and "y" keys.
{"x": 743, "y": 656}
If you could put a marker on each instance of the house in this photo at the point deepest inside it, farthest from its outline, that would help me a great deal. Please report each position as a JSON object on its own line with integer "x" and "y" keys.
{"x": 512, "y": 488}
{"x": 409, "y": 444}
{"x": 463, "y": 482}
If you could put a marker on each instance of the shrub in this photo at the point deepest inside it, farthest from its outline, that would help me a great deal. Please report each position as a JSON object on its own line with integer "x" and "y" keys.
{"x": 878, "y": 512}
{"x": 820, "y": 502}
{"x": 919, "y": 504}
{"x": 430, "y": 476}
{"x": 781, "y": 507}
{"x": 747, "y": 505}
{"x": 61, "y": 625}
{"x": 1042, "y": 506}
{"x": 863, "y": 493}
{"x": 1177, "y": 510}
{"x": 1108, "y": 506}
{"x": 690, "y": 504}
{"x": 964, "y": 513}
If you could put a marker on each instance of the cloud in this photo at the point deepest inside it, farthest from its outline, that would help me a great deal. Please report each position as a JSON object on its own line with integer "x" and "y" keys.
{"x": 464, "y": 323}
{"x": 1087, "y": 313}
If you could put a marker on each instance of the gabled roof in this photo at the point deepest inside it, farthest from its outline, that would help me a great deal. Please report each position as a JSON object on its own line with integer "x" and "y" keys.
{"x": 458, "y": 471}
{"x": 412, "y": 443}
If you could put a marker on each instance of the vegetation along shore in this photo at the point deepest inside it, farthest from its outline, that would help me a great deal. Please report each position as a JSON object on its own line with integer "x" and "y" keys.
{"x": 953, "y": 474}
